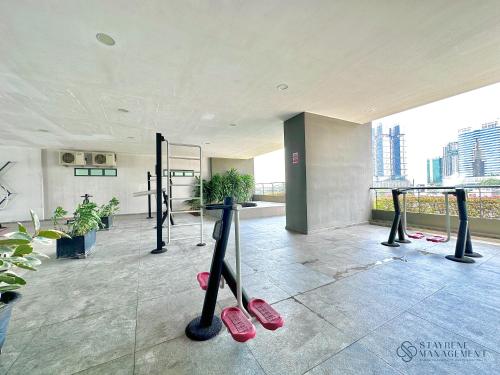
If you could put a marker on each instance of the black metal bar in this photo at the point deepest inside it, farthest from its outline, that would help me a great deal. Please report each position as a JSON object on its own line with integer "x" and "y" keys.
{"x": 158, "y": 170}
{"x": 228, "y": 275}
{"x": 217, "y": 265}
{"x": 396, "y": 221}
{"x": 463, "y": 229}
{"x": 149, "y": 196}
{"x": 439, "y": 187}
{"x": 207, "y": 325}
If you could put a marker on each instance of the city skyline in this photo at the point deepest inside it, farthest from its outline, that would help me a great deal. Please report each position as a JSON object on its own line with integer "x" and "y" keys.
{"x": 431, "y": 127}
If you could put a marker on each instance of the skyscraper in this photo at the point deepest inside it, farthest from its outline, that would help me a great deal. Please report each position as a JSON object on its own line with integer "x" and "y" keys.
{"x": 450, "y": 159}
{"x": 389, "y": 154}
{"x": 479, "y": 151}
{"x": 435, "y": 170}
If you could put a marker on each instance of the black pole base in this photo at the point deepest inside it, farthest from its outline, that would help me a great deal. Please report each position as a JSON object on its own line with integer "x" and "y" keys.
{"x": 403, "y": 241}
{"x": 158, "y": 251}
{"x": 149, "y": 217}
{"x": 473, "y": 255}
{"x": 197, "y": 333}
{"x": 393, "y": 244}
{"x": 460, "y": 260}
{"x": 201, "y": 244}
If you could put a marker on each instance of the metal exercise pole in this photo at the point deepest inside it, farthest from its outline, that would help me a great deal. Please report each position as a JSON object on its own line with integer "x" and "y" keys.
{"x": 159, "y": 196}
{"x": 149, "y": 196}
{"x": 402, "y": 221}
{"x": 463, "y": 229}
{"x": 208, "y": 325}
{"x": 395, "y": 223}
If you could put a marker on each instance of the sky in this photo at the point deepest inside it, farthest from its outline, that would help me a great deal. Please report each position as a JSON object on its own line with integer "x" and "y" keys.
{"x": 427, "y": 130}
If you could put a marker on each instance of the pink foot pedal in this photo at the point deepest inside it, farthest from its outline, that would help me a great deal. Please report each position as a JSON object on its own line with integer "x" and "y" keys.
{"x": 436, "y": 239}
{"x": 265, "y": 314}
{"x": 239, "y": 326}
{"x": 202, "y": 278}
{"x": 417, "y": 235}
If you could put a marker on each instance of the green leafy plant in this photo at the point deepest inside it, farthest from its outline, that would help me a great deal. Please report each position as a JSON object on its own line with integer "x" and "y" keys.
{"x": 229, "y": 184}
{"x": 86, "y": 219}
{"x": 109, "y": 208}
{"x": 16, "y": 251}
{"x": 58, "y": 214}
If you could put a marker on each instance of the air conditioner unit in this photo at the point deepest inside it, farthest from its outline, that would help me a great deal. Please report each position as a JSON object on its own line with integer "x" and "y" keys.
{"x": 73, "y": 158}
{"x": 103, "y": 159}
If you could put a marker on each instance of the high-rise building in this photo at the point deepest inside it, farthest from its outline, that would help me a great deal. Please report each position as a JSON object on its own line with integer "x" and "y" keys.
{"x": 479, "y": 150}
{"x": 389, "y": 154}
{"x": 450, "y": 159}
{"x": 435, "y": 170}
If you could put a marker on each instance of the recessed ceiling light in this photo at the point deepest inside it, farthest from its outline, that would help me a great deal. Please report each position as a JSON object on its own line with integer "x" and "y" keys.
{"x": 206, "y": 143}
{"x": 105, "y": 39}
{"x": 282, "y": 86}
{"x": 131, "y": 137}
{"x": 43, "y": 130}
{"x": 232, "y": 124}
{"x": 124, "y": 110}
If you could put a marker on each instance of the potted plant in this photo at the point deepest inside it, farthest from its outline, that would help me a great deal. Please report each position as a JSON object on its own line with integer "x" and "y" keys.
{"x": 106, "y": 212}
{"x": 16, "y": 251}
{"x": 82, "y": 231}
{"x": 229, "y": 184}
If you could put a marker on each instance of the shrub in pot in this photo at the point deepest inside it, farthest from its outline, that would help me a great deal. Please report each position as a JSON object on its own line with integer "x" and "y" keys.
{"x": 229, "y": 184}
{"x": 106, "y": 212}
{"x": 16, "y": 251}
{"x": 82, "y": 231}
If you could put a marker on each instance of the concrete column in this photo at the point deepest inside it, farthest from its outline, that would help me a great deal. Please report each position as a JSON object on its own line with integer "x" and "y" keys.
{"x": 328, "y": 172}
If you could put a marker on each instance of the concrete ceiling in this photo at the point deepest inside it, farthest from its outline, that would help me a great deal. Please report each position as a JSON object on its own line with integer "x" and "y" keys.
{"x": 191, "y": 68}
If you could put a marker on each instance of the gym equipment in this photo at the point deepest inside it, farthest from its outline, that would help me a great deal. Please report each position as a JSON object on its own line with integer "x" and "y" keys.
{"x": 463, "y": 247}
{"x": 148, "y": 193}
{"x": 148, "y": 176}
{"x": 236, "y": 319}
{"x": 420, "y": 235}
{"x": 6, "y": 193}
{"x": 171, "y": 184}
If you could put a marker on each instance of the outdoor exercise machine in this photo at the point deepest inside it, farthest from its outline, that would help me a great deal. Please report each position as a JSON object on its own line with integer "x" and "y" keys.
{"x": 166, "y": 201}
{"x": 160, "y": 194}
{"x": 236, "y": 319}
{"x": 463, "y": 247}
{"x": 428, "y": 237}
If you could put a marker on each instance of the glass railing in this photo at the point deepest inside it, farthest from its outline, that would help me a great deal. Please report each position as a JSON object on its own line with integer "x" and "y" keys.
{"x": 482, "y": 201}
{"x": 270, "y": 188}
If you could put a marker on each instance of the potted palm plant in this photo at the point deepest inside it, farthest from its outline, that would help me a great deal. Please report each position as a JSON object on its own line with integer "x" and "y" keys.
{"x": 82, "y": 232}
{"x": 16, "y": 251}
{"x": 106, "y": 212}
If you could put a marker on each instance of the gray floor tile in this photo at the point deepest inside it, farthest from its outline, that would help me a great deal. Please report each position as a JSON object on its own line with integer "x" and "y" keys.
{"x": 120, "y": 366}
{"x": 303, "y": 342}
{"x": 221, "y": 355}
{"x": 385, "y": 341}
{"x": 77, "y": 344}
{"x": 354, "y": 360}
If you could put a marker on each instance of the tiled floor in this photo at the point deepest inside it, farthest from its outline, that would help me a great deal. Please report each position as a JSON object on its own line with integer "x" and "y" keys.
{"x": 349, "y": 304}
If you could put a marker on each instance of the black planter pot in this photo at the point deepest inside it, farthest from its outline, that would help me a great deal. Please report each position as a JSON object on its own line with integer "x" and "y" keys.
{"x": 107, "y": 222}
{"x": 7, "y": 301}
{"x": 76, "y": 247}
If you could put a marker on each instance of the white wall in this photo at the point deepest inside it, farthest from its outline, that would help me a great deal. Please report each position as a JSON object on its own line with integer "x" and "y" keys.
{"x": 42, "y": 184}
{"x": 25, "y": 179}
{"x": 62, "y": 188}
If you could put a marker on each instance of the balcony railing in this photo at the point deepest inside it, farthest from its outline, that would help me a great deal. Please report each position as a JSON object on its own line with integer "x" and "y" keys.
{"x": 482, "y": 201}
{"x": 270, "y": 188}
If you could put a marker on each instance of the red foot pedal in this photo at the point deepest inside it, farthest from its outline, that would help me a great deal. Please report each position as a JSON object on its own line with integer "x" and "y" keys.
{"x": 202, "y": 278}
{"x": 265, "y": 314}
{"x": 239, "y": 326}
{"x": 436, "y": 239}
{"x": 417, "y": 235}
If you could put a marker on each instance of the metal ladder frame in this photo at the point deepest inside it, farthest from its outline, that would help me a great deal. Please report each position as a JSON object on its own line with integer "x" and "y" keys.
{"x": 171, "y": 184}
